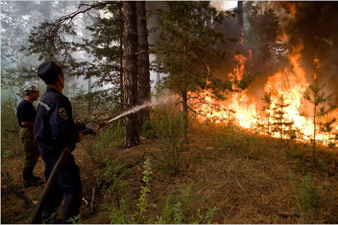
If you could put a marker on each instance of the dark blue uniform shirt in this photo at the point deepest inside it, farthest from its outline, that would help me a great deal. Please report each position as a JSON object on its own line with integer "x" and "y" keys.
{"x": 54, "y": 126}
{"x": 25, "y": 112}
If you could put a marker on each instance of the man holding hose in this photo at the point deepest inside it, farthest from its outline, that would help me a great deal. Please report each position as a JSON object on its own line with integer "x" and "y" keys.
{"x": 54, "y": 130}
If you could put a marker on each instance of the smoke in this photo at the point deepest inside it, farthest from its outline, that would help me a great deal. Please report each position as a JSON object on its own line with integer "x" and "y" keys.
{"x": 272, "y": 30}
{"x": 315, "y": 26}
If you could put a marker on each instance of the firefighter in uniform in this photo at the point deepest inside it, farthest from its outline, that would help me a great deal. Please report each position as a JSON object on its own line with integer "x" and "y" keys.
{"x": 54, "y": 130}
{"x": 26, "y": 115}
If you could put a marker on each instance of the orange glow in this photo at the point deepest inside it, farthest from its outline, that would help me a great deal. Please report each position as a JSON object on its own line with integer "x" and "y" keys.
{"x": 292, "y": 8}
{"x": 291, "y": 83}
{"x": 283, "y": 37}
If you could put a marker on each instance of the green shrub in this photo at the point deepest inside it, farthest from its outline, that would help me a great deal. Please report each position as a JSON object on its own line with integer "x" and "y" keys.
{"x": 122, "y": 214}
{"x": 98, "y": 146}
{"x": 169, "y": 127}
{"x": 9, "y": 130}
{"x": 147, "y": 130}
{"x": 119, "y": 216}
{"x": 207, "y": 217}
{"x": 306, "y": 196}
{"x": 113, "y": 175}
{"x": 75, "y": 219}
{"x": 174, "y": 214}
{"x": 236, "y": 140}
{"x": 142, "y": 203}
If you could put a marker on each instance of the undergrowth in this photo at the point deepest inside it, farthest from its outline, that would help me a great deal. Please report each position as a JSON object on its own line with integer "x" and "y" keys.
{"x": 233, "y": 139}
{"x": 173, "y": 212}
{"x": 306, "y": 195}
{"x": 98, "y": 147}
{"x": 9, "y": 131}
{"x": 113, "y": 175}
{"x": 169, "y": 127}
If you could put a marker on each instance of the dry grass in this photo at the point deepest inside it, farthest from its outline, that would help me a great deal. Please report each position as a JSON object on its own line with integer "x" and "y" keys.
{"x": 247, "y": 185}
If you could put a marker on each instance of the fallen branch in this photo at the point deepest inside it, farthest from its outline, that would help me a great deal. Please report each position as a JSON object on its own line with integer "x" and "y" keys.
{"x": 92, "y": 200}
{"x": 16, "y": 190}
{"x": 286, "y": 214}
{"x": 97, "y": 186}
{"x": 240, "y": 185}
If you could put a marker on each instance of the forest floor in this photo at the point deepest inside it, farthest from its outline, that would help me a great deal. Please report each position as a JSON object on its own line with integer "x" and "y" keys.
{"x": 251, "y": 180}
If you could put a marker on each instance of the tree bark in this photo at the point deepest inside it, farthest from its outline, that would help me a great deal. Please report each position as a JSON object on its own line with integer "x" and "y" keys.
{"x": 240, "y": 14}
{"x": 144, "y": 93}
{"x": 130, "y": 72}
{"x": 185, "y": 116}
{"x": 240, "y": 22}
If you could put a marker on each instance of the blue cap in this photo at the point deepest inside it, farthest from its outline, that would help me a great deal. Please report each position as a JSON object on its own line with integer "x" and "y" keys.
{"x": 49, "y": 72}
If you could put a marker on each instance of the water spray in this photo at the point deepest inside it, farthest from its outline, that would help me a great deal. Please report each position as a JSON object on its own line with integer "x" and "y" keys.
{"x": 92, "y": 128}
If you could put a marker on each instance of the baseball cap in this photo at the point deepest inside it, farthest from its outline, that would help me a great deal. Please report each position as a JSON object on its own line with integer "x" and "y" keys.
{"x": 29, "y": 88}
{"x": 48, "y": 71}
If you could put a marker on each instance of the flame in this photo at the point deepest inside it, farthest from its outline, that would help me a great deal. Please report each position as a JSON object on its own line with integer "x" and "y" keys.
{"x": 283, "y": 37}
{"x": 239, "y": 67}
{"x": 292, "y": 7}
{"x": 316, "y": 65}
{"x": 291, "y": 83}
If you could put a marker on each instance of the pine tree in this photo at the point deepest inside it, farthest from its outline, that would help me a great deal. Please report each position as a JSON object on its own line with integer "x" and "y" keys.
{"x": 317, "y": 98}
{"x": 267, "y": 108}
{"x": 281, "y": 124}
{"x": 144, "y": 92}
{"x": 130, "y": 76}
{"x": 188, "y": 54}
{"x": 328, "y": 128}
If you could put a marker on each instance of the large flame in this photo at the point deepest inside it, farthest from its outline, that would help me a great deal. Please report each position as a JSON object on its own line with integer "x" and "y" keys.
{"x": 291, "y": 83}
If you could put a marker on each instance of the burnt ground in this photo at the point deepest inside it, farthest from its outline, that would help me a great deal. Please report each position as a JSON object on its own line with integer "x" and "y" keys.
{"x": 249, "y": 183}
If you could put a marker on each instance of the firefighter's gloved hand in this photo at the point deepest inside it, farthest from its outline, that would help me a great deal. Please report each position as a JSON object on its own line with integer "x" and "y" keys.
{"x": 93, "y": 128}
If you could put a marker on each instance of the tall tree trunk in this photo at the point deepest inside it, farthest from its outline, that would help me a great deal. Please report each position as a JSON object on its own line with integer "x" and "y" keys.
{"x": 185, "y": 116}
{"x": 121, "y": 63}
{"x": 158, "y": 78}
{"x": 240, "y": 22}
{"x": 144, "y": 93}
{"x": 185, "y": 100}
{"x": 130, "y": 72}
{"x": 89, "y": 106}
{"x": 240, "y": 14}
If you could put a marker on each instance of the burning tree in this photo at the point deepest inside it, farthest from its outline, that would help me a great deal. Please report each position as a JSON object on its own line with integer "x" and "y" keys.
{"x": 327, "y": 127}
{"x": 317, "y": 98}
{"x": 188, "y": 52}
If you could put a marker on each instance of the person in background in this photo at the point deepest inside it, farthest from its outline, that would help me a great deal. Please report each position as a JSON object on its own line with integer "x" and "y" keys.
{"x": 26, "y": 116}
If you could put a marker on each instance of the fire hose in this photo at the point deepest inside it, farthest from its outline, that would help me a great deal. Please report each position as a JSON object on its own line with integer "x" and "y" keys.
{"x": 36, "y": 215}
{"x": 90, "y": 129}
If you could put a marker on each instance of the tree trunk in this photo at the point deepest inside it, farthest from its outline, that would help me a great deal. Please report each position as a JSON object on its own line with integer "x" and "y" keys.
{"x": 121, "y": 63}
{"x": 143, "y": 61}
{"x": 240, "y": 14}
{"x": 89, "y": 106}
{"x": 185, "y": 118}
{"x": 240, "y": 21}
{"x": 130, "y": 72}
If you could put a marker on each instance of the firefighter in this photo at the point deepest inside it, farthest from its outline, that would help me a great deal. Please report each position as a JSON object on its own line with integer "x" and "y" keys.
{"x": 26, "y": 116}
{"x": 54, "y": 130}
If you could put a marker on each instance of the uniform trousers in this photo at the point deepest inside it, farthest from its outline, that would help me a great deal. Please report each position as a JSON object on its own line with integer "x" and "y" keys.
{"x": 68, "y": 183}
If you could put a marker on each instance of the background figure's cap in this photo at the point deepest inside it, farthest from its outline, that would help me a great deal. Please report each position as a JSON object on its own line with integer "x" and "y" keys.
{"x": 49, "y": 71}
{"x": 29, "y": 89}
